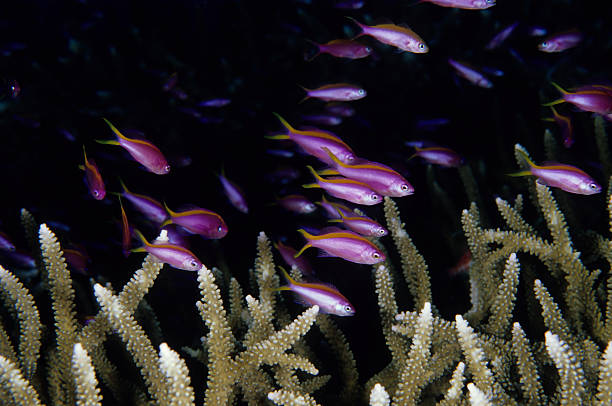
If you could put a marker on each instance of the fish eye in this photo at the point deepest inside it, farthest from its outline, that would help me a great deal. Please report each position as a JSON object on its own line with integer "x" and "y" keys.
{"x": 219, "y": 229}
{"x": 361, "y": 91}
{"x": 368, "y": 49}
{"x": 96, "y": 193}
{"x": 404, "y": 188}
{"x": 376, "y": 255}
{"x": 167, "y": 168}
{"x": 421, "y": 46}
{"x": 593, "y": 186}
{"x": 382, "y": 231}
{"x": 348, "y": 309}
{"x": 193, "y": 263}
{"x": 544, "y": 44}
{"x": 374, "y": 196}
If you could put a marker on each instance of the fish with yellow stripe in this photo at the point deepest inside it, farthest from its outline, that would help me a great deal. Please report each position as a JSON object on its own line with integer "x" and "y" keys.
{"x": 345, "y": 188}
{"x": 326, "y": 296}
{"x": 563, "y": 176}
{"x": 344, "y": 244}
{"x": 197, "y": 220}
{"x": 173, "y": 255}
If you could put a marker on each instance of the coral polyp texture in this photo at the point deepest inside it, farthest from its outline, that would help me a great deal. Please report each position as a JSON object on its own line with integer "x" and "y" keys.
{"x": 538, "y": 330}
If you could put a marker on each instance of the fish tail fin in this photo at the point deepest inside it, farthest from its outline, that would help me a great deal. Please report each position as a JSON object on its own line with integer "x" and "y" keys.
{"x": 316, "y": 53}
{"x": 277, "y": 137}
{"x": 554, "y": 102}
{"x": 342, "y": 216}
{"x": 113, "y": 128}
{"x": 549, "y": 119}
{"x": 108, "y": 142}
{"x": 285, "y": 123}
{"x": 333, "y": 157}
{"x": 559, "y": 88}
{"x": 521, "y": 173}
{"x": 335, "y": 221}
{"x": 142, "y": 239}
{"x": 170, "y": 212}
{"x": 84, "y": 154}
{"x": 310, "y": 185}
{"x": 306, "y": 90}
{"x": 361, "y": 26}
{"x": 526, "y": 158}
{"x": 304, "y": 248}
{"x": 125, "y": 189}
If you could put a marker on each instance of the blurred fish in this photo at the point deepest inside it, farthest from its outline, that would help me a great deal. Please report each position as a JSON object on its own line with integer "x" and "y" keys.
{"x": 565, "y": 125}
{"x": 28, "y": 122}
{"x": 198, "y": 221}
{"x": 346, "y": 245}
{"x": 173, "y": 255}
{"x": 283, "y": 174}
{"x": 595, "y": 100}
{"x": 361, "y": 225}
{"x": 536, "y": 31}
{"x": 175, "y": 236}
{"x": 322, "y": 119}
{"x": 312, "y": 141}
{"x": 214, "y": 103}
{"x": 18, "y": 259}
{"x": 336, "y": 92}
{"x": 179, "y": 93}
{"x": 297, "y": 204}
{"x": 67, "y": 135}
{"x": 333, "y": 208}
{"x": 559, "y": 42}
{"x": 288, "y": 254}
{"x": 464, "y": 4}
{"x": 77, "y": 259}
{"x": 439, "y": 156}
{"x": 501, "y": 36}
{"x": 342, "y": 48}
{"x": 5, "y": 242}
{"x": 190, "y": 112}
{"x": 471, "y": 74}
{"x": 401, "y": 37}
{"x": 462, "y": 265}
{"x": 234, "y": 194}
{"x": 562, "y": 176}
{"x": 93, "y": 177}
{"x": 327, "y": 297}
{"x": 349, "y": 4}
{"x": 340, "y": 109}
{"x": 379, "y": 177}
{"x": 431, "y": 124}
{"x": 126, "y": 232}
{"x": 283, "y": 153}
{"x": 142, "y": 151}
{"x": 347, "y": 189}
{"x": 149, "y": 207}
{"x": 210, "y": 120}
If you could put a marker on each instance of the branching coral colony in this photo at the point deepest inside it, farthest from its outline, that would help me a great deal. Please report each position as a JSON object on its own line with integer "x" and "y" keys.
{"x": 255, "y": 353}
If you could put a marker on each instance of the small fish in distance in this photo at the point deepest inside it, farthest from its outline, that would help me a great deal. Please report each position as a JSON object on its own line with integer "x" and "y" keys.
{"x": 439, "y": 156}
{"x": 561, "y": 41}
{"x": 5, "y": 243}
{"x": 342, "y": 48}
{"x": 142, "y": 151}
{"x": 395, "y": 35}
{"x": 565, "y": 125}
{"x": 327, "y": 297}
{"x": 500, "y": 37}
{"x": 297, "y": 204}
{"x": 173, "y": 255}
{"x": 335, "y": 92}
{"x": 562, "y": 176}
{"x": 94, "y": 181}
{"x": 198, "y": 221}
{"x": 470, "y": 74}
{"x": 234, "y": 194}
{"x": 463, "y": 4}
{"x": 149, "y": 207}
{"x": 347, "y": 245}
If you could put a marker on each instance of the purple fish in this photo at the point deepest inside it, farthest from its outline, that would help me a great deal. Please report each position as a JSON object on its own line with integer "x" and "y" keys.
{"x": 322, "y": 119}
{"x": 344, "y": 188}
{"x": 559, "y": 42}
{"x": 94, "y": 179}
{"x": 536, "y": 31}
{"x": 149, "y": 207}
{"x": 340, "y": 109}
{"x": 19, "y": 259}
{"x": 439, "y": 156}
{"x": 234, "y": 194}
{"x": 78, "y": 259}
{"x": 463, "y": 4}
{"x": 336, "y": 92}
{"x": 288, "y": 254}
{"x": 469, "y": 73}
{"x": 214, "y": 103}
{"x": 565, "y": 125}
{"x": 333, "y": 208}
{"x": 346, "y": 245}
{"x": 313, "y": 141}
{"x": 175, "y": 236}
{"x": 6, "y": 243}
{"x": 400, "y": 37}
{"x": 198, "y": 221}
{"x": 297, "y": 204}
{"x": 562, "y": 176}
{"x": 595, "y": 100}
{"x": 173, "y": 255}
{"x": 379, "y": 177}
{"x": 349, "y": 4}
{"x": 499, "y": 39}
{"x": 142, "y": 151}
{"x": 326, "y": 296}
{"x": 342, "y": 48}
{"x": 361, "y": 225}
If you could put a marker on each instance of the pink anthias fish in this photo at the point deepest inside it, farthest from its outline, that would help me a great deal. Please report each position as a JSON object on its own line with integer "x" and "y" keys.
{"x": 379, "y": 177}
{"x": 335, "y": 92}
{"x": 198, "y": 221}
{"x": 594, "y": 99}
{"x": 500, "y": 37}
{"x": 562, "y": 176}
{"x": 297, "y": 204}
{"x": 142, "y": 151}
{"x": 327, "y": 297}
{"x": 565, "y": 125}
{"x": 234, "y": 194}
{"x": 332, "y": 208}
{"x": 463, "y": 4}
{"x": 361, "y": 225}
{"x": 149, "y": 207}
{"x": 470, "y": 74}
{"x": 322, "y": 119}
{"x": 400, "y": 37}
{"x": 561, "y": 41}
{"x": 347, "y": 189}
{"x": 345, "y": 244}
{"x": 439, "y": 156}
{"x": 288, "y": 254}
{"x": 342, "y": 48}
{"x": 95, "y": 183}
{"x": 340, "y": 109}
{"x": 313, "y": 141}
{"x": 173, "y": 255}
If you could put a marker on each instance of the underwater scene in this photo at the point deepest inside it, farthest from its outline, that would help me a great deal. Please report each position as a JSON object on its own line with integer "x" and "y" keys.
{"x": 305, "y": 202}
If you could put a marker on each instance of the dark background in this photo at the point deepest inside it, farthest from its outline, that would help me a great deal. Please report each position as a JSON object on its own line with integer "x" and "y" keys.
{"x": 80, "y": 61}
